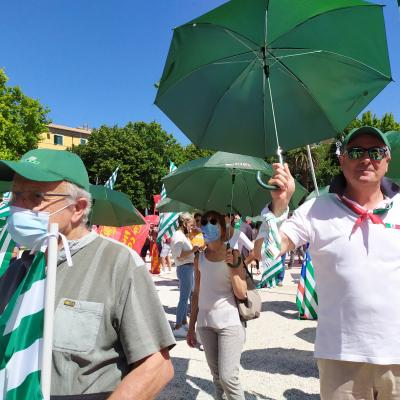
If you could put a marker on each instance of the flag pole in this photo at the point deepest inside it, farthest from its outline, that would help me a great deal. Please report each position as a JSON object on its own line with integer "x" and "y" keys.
{"x": 49, "y": 311}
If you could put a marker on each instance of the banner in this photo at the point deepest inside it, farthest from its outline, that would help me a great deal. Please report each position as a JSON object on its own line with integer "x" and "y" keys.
{"x": 133, "y": 236}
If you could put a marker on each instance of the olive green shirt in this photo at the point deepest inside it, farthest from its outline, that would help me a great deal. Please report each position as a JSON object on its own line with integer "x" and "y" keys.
{"x": 107, "y": 317}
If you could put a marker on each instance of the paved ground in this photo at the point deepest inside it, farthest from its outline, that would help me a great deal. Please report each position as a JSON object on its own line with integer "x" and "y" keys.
{"x": 277, "y": 361}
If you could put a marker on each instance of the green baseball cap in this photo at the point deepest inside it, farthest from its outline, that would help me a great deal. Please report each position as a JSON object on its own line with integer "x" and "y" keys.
{"x": 365, "y": 130}
{"x": 46, "y": 165}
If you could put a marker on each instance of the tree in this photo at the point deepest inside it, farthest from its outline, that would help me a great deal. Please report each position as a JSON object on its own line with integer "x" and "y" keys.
{"x": 22, "y": 120}
{"x": 141, "y": 150}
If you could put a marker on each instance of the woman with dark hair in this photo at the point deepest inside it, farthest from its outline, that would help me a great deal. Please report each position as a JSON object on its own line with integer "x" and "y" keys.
{"x": 183, "y": 254}
{"x": 214, "y": 308}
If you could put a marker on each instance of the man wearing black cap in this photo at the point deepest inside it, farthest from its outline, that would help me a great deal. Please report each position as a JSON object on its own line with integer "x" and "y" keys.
{"x": 111, "y": 336}
{"x": 354, "y": 239}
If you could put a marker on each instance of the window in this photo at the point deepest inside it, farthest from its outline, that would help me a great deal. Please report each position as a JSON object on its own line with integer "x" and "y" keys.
{"x": 48, "y": 136}
{"x": 83, "y": 141}
{"x": 58, "y": 139}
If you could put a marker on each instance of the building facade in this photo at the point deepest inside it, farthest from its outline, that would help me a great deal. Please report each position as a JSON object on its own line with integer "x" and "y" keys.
{"x": 60, "y": 137}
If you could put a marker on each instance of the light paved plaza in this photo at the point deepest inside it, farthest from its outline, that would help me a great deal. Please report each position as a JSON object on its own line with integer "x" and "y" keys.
{"x": 277, "y": 361}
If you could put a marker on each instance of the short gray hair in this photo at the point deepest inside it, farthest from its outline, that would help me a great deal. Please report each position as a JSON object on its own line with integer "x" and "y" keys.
{"x": 76, "y": 193}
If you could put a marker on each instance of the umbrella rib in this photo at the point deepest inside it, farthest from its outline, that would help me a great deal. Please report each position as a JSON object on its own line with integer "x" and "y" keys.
{"x": 226, "y": 29}
{"x": 211, "y": 118}
{"x": 295, "y": 77}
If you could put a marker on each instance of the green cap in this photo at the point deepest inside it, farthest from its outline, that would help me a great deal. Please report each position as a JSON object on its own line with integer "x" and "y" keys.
{"x": 365, "y": 130}
{"x": 45, "y": 165}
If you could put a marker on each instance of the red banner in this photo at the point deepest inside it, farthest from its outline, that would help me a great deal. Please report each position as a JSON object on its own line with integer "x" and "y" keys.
{"x": 156, "y": 200}
{"x": 133, "y": 236}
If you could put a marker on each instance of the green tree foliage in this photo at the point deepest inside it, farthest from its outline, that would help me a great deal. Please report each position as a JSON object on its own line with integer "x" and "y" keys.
{"x": 141, "y": 150}
{"x": 22, "y": 120}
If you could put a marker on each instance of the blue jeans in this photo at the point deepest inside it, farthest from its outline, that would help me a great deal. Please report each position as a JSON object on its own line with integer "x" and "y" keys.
{"x": 282, "y": 273}
{"x": 185, "y": 275}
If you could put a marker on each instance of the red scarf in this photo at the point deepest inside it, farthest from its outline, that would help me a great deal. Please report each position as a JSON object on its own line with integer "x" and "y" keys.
{"x": 363, "y": 214}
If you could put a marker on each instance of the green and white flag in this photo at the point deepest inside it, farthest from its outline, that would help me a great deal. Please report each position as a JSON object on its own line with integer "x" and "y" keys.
{"x": 271, "y": 260}
{"x": 21, "y": 334}
{"x": 168, "y": 221}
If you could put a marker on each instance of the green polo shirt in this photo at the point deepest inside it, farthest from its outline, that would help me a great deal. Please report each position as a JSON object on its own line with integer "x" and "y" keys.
{"x": 107, "y": 317}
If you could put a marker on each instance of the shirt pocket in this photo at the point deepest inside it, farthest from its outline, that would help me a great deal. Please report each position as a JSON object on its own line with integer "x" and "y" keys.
{"x": 76, "y": 325}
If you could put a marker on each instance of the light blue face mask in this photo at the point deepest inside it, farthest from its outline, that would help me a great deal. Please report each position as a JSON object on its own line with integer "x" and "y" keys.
{"x": 29, "y": 228}
{"x": 211, "y": 232}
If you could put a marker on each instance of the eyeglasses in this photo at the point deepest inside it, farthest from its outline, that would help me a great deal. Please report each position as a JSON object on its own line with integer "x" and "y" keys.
{"x": 374, "y": 153}
{"x": 35, "y": 198}
{"x": 212, "y": 221}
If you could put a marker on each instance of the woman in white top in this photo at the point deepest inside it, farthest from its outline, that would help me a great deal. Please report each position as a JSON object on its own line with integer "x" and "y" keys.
{"x": 183, "y": 254}
{"x": 214, "y": 307}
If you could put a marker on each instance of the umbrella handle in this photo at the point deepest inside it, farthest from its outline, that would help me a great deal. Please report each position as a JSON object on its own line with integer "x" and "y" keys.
{"x": 264, "y": 185}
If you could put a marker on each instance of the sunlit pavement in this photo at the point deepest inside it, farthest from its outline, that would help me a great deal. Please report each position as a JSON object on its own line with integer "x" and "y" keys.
{"x": 277, "y": 360}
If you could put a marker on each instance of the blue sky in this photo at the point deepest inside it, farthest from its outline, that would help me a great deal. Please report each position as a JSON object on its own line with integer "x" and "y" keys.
{"x": 96, "y": 62}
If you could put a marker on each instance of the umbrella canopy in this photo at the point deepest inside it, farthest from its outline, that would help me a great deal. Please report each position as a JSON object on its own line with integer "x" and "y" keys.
{"x": 112, "y": 208}
{"x": 241, "y": 73}
{"x": 206, "y": 183}
{"x": 168, "y": 205}
{"x": 321, "y": 190}
{"x": 394, "y": 165}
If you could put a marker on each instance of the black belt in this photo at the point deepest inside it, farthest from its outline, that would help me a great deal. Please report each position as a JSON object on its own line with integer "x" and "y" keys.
{"x": 92, "y": 396}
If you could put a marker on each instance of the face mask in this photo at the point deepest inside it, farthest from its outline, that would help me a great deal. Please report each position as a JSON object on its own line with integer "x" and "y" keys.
{"x": 29, "y": 228}
{"x": 211, "y": 232}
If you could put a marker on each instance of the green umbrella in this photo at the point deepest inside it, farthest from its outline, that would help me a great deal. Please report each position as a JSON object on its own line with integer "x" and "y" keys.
{"x": 112, "y": 208}
{"x": 394, "y": 165}
{"x": 167, "y": 205}
{"x": 252, "y": 71}
{"x": 321, "y": 191}
{"x": 211, "y": 183}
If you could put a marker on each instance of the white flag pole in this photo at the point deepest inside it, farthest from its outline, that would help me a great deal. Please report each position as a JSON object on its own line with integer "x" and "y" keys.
{"x": 49, "y": 311}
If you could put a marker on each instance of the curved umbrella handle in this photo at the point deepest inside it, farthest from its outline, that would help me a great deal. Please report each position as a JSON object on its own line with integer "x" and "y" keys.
{"x": 264, "y": 185}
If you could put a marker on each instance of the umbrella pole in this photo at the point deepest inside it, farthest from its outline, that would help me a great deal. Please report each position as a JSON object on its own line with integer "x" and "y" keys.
{"x": 311, "y": 164}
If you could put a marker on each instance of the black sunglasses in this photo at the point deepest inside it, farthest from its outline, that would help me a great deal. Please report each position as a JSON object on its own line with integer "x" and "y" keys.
{"x": 374, "y": 153}
{"x": 212, "y": 221}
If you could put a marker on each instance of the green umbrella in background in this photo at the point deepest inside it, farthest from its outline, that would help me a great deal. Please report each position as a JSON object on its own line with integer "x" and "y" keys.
{"x": 251, "y": 76}
{"x": 394, "y": 165}
{"x": 168, "y": 205}
{"x": 314, "y": 193}
{"x": 211, "y": 183}
{"x": 112, "y": 208}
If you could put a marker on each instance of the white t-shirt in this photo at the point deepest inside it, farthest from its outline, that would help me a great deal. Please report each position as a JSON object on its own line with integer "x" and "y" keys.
{"x": 357, "y": 280}
{"x": 240, "y": 240}
{"x": 179, "y": 243}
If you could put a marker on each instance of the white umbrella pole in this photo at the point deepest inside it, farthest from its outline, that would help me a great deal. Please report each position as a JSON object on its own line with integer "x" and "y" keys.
{"x": 52, "y": 251}
{"x": 311, "y": 164}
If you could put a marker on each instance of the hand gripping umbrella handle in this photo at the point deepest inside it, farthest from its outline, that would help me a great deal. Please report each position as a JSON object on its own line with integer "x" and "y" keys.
{"x": 264, "y": 185}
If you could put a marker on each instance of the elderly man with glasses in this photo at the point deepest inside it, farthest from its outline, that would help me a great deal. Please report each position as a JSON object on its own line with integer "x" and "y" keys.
{"x": 111, "y": 336}
{"x": 354, "y": 236}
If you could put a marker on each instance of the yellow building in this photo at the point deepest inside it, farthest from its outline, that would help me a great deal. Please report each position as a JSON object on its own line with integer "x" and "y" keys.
{"x": 60, "y": 137}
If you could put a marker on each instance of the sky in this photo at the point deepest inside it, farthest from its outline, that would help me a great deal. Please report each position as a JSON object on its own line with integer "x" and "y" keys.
{"x": 96, "y": 62}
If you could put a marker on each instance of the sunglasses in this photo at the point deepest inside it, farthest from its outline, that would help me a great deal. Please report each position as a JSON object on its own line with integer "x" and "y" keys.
{"x": 374, "y": 153}
{"x": 212, "y": 221}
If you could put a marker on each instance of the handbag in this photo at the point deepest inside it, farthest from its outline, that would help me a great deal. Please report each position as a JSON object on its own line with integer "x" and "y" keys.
{"x": 250, "y": 308}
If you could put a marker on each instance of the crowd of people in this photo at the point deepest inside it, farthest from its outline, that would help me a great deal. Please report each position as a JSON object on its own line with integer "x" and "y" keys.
{"x": 118, "y": 342}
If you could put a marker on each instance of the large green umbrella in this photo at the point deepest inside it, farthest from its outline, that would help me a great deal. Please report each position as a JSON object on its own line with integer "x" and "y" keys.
{"x": 394, "y": 165}
{"x": 211, "y": 183}
{"x": 112, "y": 208}
{"x": 252, "y": 71}
{"x": 168, "y": 205}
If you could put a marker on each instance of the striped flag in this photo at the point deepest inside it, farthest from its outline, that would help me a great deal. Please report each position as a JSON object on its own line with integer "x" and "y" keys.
{"x": 111, "y": 180}
{"x": 168, "y": 221}
{"x": 21, "y": 335}
{"x": 271, "y": 260}
{"x": 306, "y": 298}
